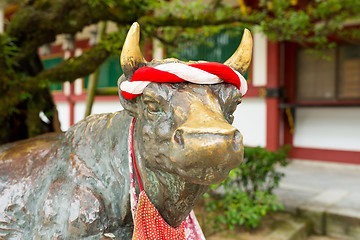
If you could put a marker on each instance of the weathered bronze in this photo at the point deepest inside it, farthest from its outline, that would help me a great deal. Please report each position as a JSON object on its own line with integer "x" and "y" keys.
{"x": 76, "y": 185}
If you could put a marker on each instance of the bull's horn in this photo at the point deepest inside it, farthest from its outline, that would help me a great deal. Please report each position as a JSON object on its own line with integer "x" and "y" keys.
{"x": 131, "y": 56}
{"x": 241, "y": 59}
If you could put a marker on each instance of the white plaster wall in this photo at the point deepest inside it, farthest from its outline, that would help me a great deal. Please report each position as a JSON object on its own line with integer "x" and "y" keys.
{"x": 158, "y": 49}
{"x": 328, "y": 128}
{"x": 250, "y": 120}
{"x": 79, "y": 111}
{"x": 106, "y": 107}
{"x": 259, "y": 64}
{"x": 63, "y": 112}
{"x": 98, "y": 107}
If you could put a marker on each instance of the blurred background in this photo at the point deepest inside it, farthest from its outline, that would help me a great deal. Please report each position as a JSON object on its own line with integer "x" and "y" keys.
{"x": 59, "y": 62}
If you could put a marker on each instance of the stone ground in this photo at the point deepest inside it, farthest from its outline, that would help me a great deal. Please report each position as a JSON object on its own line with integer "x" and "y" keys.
{"x": 328, "y": 194}
{"x": 321, "y": 238}
{"x": 273, "y": 227}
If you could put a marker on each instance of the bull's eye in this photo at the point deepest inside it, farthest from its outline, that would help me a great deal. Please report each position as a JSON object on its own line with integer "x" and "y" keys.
{"x": 153, "y": 108}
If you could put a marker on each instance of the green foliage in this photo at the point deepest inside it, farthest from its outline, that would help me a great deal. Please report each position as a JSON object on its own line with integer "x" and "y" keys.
{"x": 8, "y": 50}
{"x": 311, "y": 23}
{"x": 238, "y": 208}
{"x": 113, "y": 42}
{"x": 247, "y": 194}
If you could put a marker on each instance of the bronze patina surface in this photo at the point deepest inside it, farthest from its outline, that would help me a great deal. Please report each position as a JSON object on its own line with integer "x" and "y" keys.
{"x": 76, "y": 185}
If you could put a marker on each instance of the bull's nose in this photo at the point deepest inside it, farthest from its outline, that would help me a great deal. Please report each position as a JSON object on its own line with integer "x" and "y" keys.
{"x": 205, "y": 155}
{"x": 232, "y": 136}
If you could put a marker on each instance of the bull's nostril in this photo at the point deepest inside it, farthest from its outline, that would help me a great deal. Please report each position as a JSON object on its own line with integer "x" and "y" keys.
{"x": 237, "y": 140}
{"x": 178, "y": 137}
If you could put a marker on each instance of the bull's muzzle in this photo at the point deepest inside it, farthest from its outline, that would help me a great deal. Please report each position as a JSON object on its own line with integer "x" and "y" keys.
{"x": 205, "y": 152}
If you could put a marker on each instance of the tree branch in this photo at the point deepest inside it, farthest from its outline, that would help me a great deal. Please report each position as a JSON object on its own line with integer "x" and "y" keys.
{"x": 202, "y": 20}
{"x": 71, "y": 69}
{"x": 37, "y": 24}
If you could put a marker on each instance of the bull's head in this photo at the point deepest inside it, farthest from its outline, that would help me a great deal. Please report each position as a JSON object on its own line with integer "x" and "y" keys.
{"x": 185, "y": 129}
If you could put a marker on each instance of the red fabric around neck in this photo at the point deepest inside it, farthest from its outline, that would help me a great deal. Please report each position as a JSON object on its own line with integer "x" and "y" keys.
{"x": 133, "y": 154}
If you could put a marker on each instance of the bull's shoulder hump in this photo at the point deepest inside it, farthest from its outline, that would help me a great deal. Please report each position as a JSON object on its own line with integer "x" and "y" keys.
{"x": 99, "y": 147}
{"x": 98, "y": 124}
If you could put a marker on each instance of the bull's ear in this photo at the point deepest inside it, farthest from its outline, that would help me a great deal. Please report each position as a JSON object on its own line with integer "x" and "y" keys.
{"x": 130, "y": 105}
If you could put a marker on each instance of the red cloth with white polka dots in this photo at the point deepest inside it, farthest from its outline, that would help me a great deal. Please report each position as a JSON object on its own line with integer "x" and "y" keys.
{"x": 149, "y": 225}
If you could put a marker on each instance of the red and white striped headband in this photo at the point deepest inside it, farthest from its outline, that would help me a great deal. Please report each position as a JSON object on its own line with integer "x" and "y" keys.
{"x": 199, "y": 73}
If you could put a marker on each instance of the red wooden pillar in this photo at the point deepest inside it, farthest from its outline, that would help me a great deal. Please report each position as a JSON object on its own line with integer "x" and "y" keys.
{"x": 71, "y": 105}
{"x": 272, "y": 101}
{"x": 148, "y": 49}
{"x": 70, "y": 98}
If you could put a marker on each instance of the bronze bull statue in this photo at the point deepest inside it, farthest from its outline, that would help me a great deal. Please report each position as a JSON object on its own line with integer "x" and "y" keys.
{"x": 75, "y": 185}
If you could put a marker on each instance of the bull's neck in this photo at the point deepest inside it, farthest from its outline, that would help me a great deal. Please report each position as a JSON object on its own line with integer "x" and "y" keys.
{"x": 173, "y": 197}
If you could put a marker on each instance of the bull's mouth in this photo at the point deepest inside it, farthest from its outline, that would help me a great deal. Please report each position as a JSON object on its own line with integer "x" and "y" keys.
{"x": 205, "y": 171}
{"x": 211, "y": 176}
